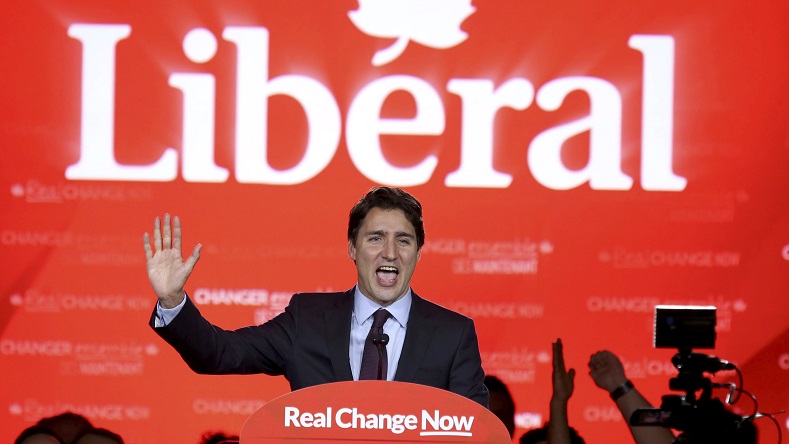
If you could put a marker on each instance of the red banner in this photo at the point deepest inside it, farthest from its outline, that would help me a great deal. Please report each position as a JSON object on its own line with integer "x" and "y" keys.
{"x": 579, "y": 163}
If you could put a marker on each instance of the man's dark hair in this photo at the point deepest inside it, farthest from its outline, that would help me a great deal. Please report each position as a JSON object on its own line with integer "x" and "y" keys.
{"x": 387, "y": 198}
{"x": 541, "y": 434}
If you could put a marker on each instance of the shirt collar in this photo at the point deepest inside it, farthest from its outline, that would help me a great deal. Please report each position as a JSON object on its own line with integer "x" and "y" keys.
{"x": 363, "y": 307}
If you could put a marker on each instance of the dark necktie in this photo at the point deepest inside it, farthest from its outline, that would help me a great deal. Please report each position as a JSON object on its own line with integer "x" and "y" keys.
{"x": 369, "y": 368}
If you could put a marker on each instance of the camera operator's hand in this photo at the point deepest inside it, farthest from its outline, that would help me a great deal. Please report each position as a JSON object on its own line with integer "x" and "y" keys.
{"x": 606, "y": 370}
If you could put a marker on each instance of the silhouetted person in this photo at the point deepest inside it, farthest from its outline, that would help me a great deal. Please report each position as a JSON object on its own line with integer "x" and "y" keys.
{"x": 540, "y": 436}
{"x": 67, "y": 425}
{"x": 557, "y": 430}
{"x": 37, "y": 434}
{"x": 98, "y": 436}
{"x": 608, "y": 373}
{"x": 218, "y": 438}
{"x": 711, "y": 421}
{"x": 501, "y": 403}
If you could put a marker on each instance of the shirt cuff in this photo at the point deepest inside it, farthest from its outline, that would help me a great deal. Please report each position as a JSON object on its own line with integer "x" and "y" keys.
{"x": 166, "y": 315}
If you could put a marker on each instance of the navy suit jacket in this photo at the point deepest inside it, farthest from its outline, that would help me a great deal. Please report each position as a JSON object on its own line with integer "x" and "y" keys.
{"x": 309, "y": 342}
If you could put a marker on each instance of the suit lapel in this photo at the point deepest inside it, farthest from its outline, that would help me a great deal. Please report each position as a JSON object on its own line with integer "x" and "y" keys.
{"x": 338, "y": 335}
{"x": 417, "y": 338}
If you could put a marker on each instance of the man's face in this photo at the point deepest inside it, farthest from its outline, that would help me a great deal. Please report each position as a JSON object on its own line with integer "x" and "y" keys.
{"x": 385, "y": 253}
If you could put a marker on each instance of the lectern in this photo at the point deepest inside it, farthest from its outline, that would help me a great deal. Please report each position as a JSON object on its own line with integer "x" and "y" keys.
{"x": 373, "y": 411}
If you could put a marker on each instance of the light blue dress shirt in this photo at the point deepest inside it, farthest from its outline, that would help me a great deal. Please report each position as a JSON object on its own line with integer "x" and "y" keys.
{"x": 395, "y": 326}
{"x": 361, "y": 321}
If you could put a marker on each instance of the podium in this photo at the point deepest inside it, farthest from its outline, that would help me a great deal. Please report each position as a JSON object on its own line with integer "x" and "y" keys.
{"x": 373, "y": 411}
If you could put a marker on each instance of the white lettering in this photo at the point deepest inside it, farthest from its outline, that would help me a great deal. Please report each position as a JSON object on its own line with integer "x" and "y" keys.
{"x": 37, "y": 238}
{"x": 657, "y": 119}
{"x": 97, "y": 147}
{"x": 504, "y": 266}
{"x": 480, "y": 104}
{"x": 34, "y": 410}
{"x": 253, "y": 90}
{"x": 243, "y": 407}
{"x": 70, "y": 302}
{"x": 291, "y": 417}
{"x": 427, "y": 419}
{"x": 339, "y": 418}
{"x": 222, "y": 296}
{"x": 365, "y": 125}
{"x": 528, "y": 420}
{"x": 480, "y": 99}
{"x": 603, "y": 172}
{"x": 318, "y": 420}
{"x": 137, "y": 413}
{"x": 198, "y": 125}
{"x": 446, "y": 423}
{"x": 620, "y": 304}
{"x": 601, "y": 414}
{"x": 397, "y": 424}
{"x": 35, "y": 348}
{"x": 112, "y": 368}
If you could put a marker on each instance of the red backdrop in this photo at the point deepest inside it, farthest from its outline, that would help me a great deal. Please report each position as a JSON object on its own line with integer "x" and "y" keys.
{"x": 578, "y": 163}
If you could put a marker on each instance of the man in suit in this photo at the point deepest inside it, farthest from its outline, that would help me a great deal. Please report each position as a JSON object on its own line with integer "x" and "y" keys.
{"x": 321, "y": 337}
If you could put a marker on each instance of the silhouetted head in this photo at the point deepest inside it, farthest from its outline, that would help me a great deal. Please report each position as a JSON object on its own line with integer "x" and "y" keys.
{"x": 67, "y": 426}
{"x": 37, "y": 434}
{"x": 501, "y": 403}
{"x": 540, "y": 436}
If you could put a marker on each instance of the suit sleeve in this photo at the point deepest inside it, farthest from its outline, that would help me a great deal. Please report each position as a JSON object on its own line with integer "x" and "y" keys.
{"x": 208, "y": 349}
{"x": 466, "y": 377}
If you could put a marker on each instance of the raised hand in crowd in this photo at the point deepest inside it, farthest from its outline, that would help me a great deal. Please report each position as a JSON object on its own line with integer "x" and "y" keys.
{"x": 608, "y": 373}
{"x": 563, "y": 386}
{"x": 557, "y": 430}
{"x": 167, "y": 269}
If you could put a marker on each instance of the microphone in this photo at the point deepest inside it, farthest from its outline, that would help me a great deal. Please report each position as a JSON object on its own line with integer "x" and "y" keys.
{"x": 380, "y": 340}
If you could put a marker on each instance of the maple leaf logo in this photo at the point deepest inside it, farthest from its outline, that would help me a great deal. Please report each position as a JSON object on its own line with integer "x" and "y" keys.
{"x": 433, "y": 23}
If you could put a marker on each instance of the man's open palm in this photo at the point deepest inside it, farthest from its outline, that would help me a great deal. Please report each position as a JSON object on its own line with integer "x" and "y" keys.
{"x": 167, "y": 270}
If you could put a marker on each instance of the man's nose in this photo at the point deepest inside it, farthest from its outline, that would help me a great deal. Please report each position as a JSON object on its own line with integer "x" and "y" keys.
{"x": 390, "y": 250}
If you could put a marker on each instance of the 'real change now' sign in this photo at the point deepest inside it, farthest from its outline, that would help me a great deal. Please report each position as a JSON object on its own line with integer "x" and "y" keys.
{"x": 380, "y": 411}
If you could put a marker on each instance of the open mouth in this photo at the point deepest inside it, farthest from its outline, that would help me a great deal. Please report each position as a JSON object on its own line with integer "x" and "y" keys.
{"x": 386, "y": 275}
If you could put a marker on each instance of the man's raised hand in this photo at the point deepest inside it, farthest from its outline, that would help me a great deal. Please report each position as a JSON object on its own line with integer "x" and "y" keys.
{"x": 167, "y": 270}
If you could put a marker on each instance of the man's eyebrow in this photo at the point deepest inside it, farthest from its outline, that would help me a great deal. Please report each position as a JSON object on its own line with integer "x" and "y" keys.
{"x": 383, "y": 233}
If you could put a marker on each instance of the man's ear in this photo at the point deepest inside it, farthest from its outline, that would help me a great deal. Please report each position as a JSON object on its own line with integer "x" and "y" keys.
{"x": 419, "y": 254}
{"x": 351, "y": 250}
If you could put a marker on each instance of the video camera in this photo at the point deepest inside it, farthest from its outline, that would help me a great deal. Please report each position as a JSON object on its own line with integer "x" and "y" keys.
{"x": 700, "y": 417}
